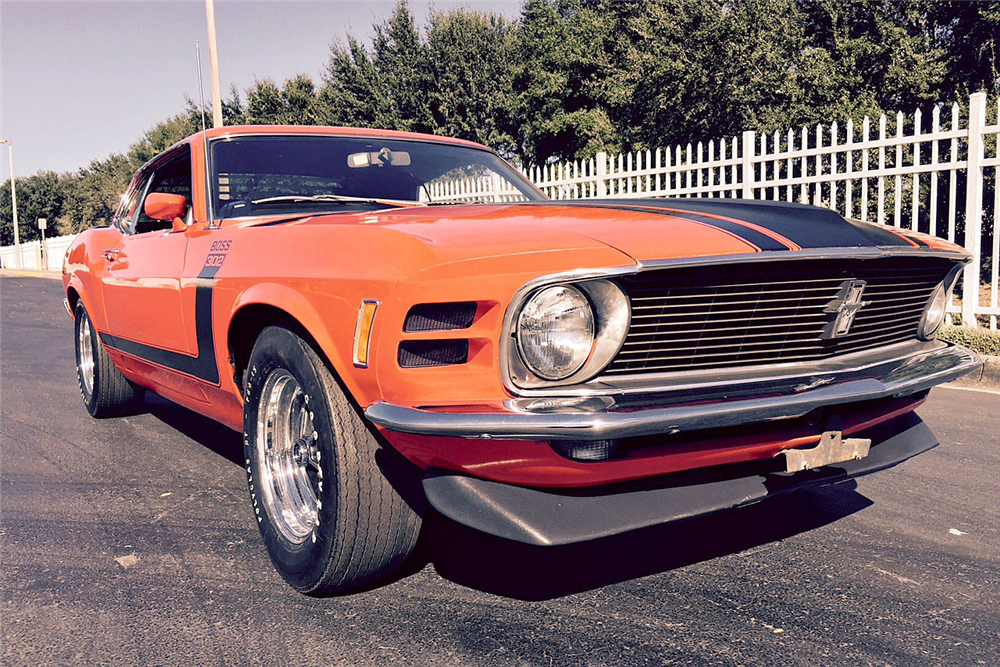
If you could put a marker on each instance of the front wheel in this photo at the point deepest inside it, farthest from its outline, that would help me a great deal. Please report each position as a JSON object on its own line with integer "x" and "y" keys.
{"x": 330, "y": 518}
{"x": 106, "y": 392}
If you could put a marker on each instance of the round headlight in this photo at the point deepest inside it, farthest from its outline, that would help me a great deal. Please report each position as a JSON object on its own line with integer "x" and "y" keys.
{"x": 555, "y": 332}
{"x": 934, "y": 314}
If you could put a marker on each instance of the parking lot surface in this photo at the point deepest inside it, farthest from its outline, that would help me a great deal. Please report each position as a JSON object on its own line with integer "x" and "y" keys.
{"x": 131, "y": 542}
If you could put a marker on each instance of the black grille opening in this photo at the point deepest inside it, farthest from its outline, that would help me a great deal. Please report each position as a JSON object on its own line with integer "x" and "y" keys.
{"x": 422, "y": 353}
{"x": 440, "y": 316}
{"x": 769, "y": 312}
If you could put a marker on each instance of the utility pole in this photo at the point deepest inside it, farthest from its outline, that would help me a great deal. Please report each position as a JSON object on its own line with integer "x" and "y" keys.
{"x": 13, "y": 199}
{"x": 213, "y": 57}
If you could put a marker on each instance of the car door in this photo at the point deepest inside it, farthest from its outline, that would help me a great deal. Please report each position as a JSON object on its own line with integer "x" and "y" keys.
{"x": 142, "y": 276}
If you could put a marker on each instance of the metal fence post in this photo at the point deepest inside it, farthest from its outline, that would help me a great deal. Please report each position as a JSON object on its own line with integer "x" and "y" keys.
{"x": 974, "y": 208}
{"x": 749, "y": 137}
{"x": 602, "y": 173}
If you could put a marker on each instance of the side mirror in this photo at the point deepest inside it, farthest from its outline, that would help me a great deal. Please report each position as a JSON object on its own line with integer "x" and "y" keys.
{"x": 163, "y": 206}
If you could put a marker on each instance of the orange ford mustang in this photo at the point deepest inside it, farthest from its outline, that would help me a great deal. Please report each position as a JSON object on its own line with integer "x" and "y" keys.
{"x": 395, "y": 320}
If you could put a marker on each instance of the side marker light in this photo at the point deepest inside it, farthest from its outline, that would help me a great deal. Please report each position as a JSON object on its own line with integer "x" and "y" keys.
{"x": 363, "y": 332}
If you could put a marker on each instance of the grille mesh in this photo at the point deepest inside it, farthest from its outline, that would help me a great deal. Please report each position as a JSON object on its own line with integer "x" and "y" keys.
{"x": 727, "y": 316}
{"x": 421, "y": 353}
{"x": 440, "y": 316}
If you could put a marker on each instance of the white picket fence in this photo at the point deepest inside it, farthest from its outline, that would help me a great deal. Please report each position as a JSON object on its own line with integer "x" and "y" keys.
{"x": 934, "y": 181}
{"x": 36, "y": 257}
{"x": 838, "y": 167}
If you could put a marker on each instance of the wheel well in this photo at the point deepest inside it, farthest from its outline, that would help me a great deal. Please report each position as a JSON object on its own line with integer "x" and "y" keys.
{"x": 74, "y": 298}
{"x": 246, "y": 326}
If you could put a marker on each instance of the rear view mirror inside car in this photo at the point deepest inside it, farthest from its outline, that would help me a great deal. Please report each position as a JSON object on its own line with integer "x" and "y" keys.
{"x": 380, "y": 158}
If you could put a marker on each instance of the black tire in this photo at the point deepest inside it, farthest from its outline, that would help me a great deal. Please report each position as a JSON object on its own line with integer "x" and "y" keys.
{"x": 108, "y": 394}
{"x": 364, "y": 527}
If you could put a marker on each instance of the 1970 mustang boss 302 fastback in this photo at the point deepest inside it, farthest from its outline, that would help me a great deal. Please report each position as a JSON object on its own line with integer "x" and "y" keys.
{"x": 372, "y": 308}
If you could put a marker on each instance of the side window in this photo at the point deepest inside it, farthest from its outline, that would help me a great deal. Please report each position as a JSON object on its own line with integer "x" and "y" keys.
{"x": 173, "y": 176}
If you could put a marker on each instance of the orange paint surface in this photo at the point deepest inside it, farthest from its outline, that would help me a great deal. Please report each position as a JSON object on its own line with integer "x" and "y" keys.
{"x": 319, "y": 269}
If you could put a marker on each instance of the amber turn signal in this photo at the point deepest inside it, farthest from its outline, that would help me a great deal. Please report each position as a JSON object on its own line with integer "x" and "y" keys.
{"x": 363, "y": 332}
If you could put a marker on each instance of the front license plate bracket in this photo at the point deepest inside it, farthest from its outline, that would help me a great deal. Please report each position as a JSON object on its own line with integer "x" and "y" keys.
{"x": 833, "y": 447}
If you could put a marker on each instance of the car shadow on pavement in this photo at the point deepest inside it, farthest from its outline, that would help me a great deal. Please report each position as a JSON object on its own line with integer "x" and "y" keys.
{"x": 501, "y": 567}
{"x": 209, "y": 433}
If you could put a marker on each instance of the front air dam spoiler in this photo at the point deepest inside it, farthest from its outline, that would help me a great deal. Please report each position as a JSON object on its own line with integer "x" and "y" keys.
{"x": 548, "y": 517}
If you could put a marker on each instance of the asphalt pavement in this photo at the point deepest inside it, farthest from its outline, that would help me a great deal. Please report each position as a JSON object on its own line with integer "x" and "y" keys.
{"x": 130, "y": 542}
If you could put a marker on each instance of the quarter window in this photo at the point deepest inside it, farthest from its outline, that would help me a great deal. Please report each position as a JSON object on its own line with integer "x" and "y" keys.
{"x": 170, "y": 176}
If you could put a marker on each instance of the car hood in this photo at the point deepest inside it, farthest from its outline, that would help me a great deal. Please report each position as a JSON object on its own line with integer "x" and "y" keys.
{"x": 643, "y": 230}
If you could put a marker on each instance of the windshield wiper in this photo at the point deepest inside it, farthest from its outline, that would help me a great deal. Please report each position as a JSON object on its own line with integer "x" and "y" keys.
{"x": 329, "y": 198}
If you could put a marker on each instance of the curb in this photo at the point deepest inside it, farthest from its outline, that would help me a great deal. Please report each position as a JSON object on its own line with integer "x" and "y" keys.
{"x": 30, "y": 273}
{"x": 987, "y": 378}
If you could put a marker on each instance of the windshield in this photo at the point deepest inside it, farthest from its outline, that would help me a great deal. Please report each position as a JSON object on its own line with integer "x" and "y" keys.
{"x": 262, "y": 175}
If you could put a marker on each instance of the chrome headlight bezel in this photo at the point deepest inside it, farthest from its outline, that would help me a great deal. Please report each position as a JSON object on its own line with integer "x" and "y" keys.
{"x": 611, "y": 316}
{"x": 934, "y": 314}
{"x": 931, "y": 321}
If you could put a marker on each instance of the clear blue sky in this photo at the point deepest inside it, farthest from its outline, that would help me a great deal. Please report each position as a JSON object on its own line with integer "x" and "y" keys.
{"x": 81, "y": 80}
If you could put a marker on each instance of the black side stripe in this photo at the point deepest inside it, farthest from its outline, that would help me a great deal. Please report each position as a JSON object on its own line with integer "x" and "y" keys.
{"x": 203, "y": 366}
{"x": 762, "y": 241}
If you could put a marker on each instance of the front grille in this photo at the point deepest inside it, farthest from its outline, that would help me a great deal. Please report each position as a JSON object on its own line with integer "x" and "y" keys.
{"x": 769, "y": 312}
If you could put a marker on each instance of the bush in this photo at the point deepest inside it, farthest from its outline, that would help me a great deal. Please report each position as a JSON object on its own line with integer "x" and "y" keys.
{"x": 982, "y": 341}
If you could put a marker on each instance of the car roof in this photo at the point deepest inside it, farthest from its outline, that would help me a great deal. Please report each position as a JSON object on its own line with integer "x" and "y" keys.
{"x": 329, "y": 130}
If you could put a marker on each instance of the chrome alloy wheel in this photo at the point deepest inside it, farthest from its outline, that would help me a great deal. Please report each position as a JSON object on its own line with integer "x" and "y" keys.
{"x": 86, "y": 358}
{"x": 291, "y": 478}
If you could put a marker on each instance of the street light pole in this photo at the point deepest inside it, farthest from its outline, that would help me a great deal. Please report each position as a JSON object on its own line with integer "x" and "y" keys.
{"x": 13, "y": 199}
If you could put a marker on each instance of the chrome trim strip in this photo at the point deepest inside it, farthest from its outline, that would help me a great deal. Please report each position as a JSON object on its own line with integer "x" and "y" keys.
{"x": 68, "y": 309}
{"x": 910, "y": 376}
{"x": 815, "y": 253}
{"x": 576, "y": 388}
{"x": 823, "y": 369}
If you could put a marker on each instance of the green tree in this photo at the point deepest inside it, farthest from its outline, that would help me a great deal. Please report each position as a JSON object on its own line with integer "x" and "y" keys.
{"x": 38, "y": 196}
{"x": 354, "y": 92}
{"x": 560, "y": 71}
{"x": 295, "y": 103}
{"x": 401, "y": 59}
{"x": 470, "y": 91}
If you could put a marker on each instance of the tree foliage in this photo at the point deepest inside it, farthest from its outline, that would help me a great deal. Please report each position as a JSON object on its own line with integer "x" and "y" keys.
{"x": 573, "y": 77}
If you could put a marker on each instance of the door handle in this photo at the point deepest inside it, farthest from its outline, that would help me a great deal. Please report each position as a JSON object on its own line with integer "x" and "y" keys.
{"x": 111, "y": 255}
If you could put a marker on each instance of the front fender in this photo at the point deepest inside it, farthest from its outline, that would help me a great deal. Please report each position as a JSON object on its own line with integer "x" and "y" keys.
{"x": 334, "y": 341}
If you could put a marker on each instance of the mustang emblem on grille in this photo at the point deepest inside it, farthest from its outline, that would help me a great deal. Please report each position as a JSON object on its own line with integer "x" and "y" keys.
{"x": 844, "y": 308}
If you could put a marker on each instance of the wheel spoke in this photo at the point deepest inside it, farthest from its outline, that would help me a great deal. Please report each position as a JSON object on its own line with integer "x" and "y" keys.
{"x": 290, "y": 461}
{"x": 86, "y": 353}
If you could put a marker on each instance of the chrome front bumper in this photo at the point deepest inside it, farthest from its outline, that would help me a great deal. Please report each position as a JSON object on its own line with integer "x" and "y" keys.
{"x": 610, "y": 416}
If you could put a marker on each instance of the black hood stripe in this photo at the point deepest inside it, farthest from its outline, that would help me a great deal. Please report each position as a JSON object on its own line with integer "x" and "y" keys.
{"x": 752, "y": 236}
{"x": 805, "y": 226}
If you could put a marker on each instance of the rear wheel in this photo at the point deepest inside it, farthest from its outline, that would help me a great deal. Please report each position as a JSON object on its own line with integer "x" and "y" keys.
{"x": 329, "y": 516}
{"x": 106, "y": 392}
